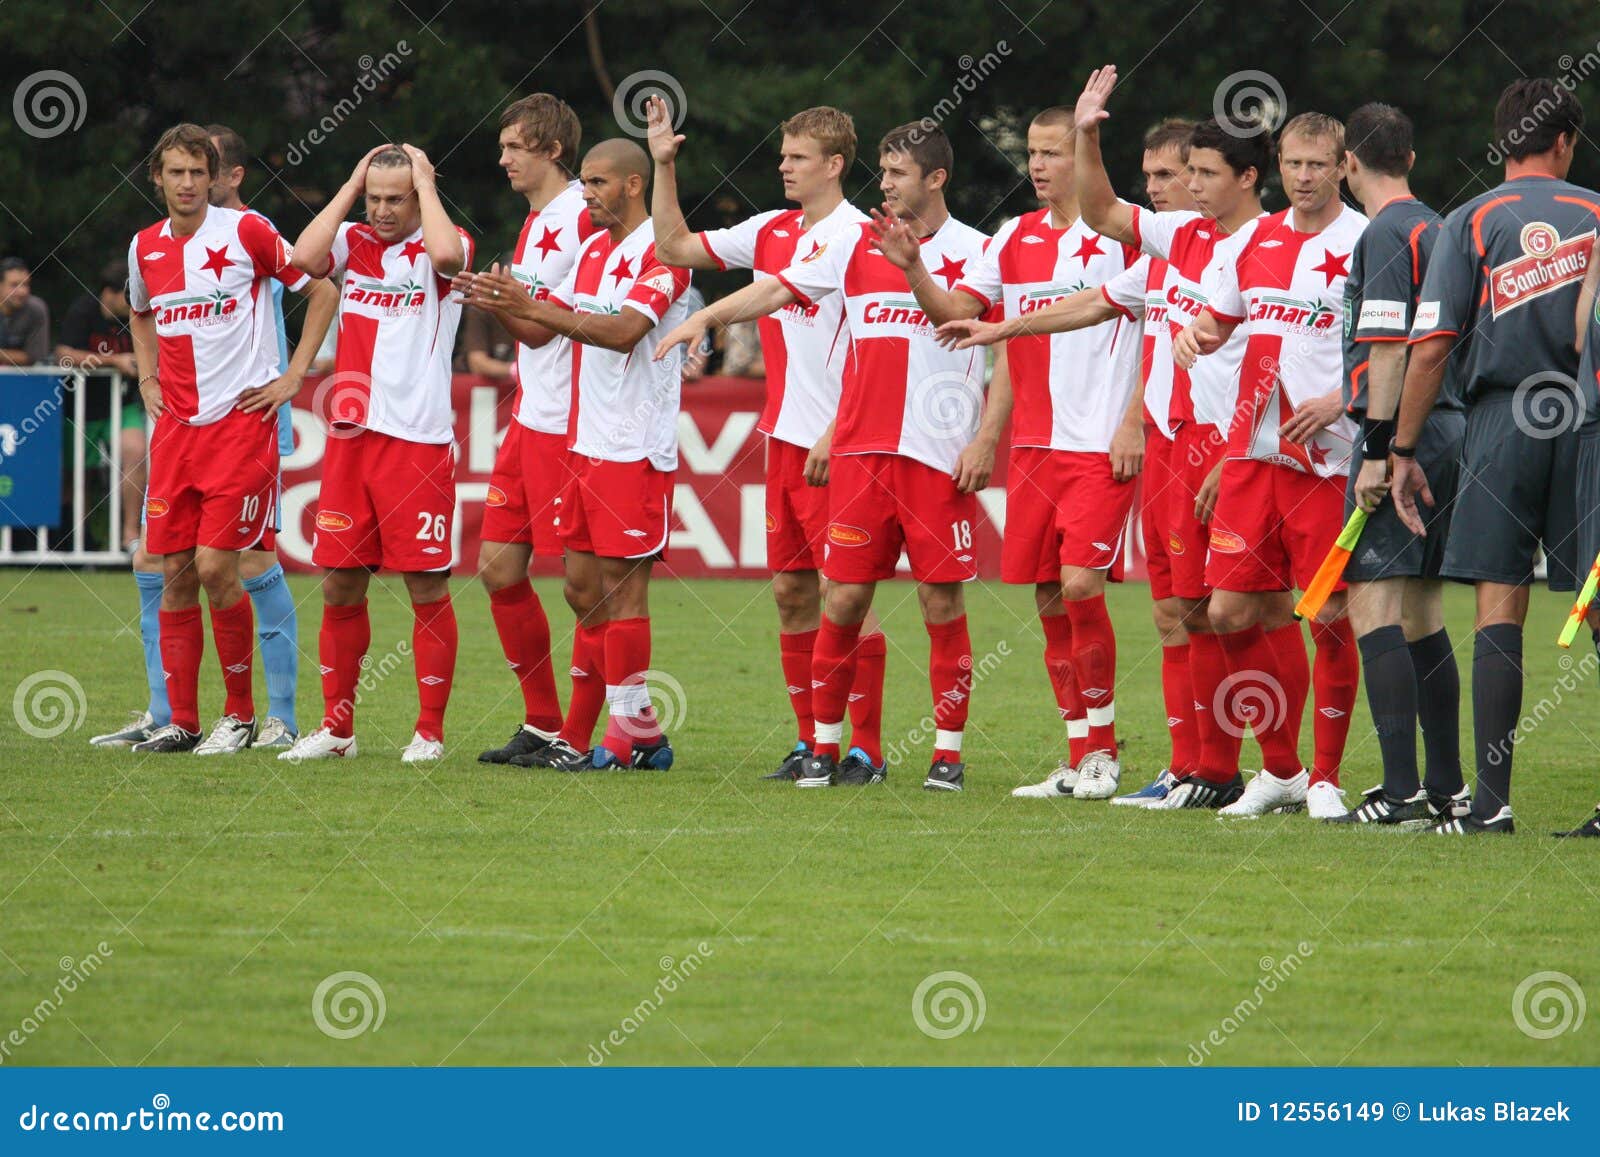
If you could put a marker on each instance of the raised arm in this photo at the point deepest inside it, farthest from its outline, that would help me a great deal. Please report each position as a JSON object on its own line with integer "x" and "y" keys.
{"x": 899, "y": 244}
{"x": 676, "y": 244}
{"x": 1097, "y": 200}
{"x": 314, "y": 246}
{"x": 446, "y": 249}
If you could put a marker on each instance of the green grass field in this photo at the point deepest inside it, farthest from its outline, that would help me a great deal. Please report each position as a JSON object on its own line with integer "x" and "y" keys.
{"x": 513, "y": 917}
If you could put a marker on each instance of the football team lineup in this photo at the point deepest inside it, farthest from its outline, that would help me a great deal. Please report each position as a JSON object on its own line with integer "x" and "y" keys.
{"x": 1353, "y": 397}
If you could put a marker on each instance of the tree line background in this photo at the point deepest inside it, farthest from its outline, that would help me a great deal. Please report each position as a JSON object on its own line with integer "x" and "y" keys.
{"x": 438, "y": 72}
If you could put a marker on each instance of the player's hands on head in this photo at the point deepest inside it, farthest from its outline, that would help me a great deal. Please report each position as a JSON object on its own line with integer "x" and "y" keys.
{"x": 1091, "y": 108}
{"x": 690, "y": 333}
{"x": 269, "y": 397}
{"x": 1406, "y": 485}
{"x": 896, "y": 240}
{"x": 358, "y": 175}
{"x": 1372, "y": 484}
{"x": 421, "y": 168}
{"x": 1312, "y": 417}
{"x": 974, "y": 466}
{"x": 662, "y": 140}
{"x": 1127, "y": 452}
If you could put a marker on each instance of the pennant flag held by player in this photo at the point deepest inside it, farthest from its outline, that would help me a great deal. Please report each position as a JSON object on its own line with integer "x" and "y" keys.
{"x": 1581, "y": 607}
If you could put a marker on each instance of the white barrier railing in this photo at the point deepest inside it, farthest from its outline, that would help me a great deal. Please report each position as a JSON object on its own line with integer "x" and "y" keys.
{"x": 73, "y": 388}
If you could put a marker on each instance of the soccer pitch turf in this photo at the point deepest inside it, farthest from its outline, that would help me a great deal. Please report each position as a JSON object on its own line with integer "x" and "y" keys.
{"x": 703, "y": 916}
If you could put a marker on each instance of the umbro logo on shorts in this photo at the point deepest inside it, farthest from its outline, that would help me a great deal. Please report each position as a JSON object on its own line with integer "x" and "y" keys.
{"x": 1100, "y": 546}
{"x": 631, "y": 533}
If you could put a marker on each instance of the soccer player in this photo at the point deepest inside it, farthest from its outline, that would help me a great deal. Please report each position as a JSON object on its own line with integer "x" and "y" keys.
{"x": 1226, "y": 166}
{"x": 907, "y": 455}
{"x": 1396, "y": 597}
{"x": 211, "y": 379}
{"x": 539, "y": 137}
{"x": 805, "y": 348}
{"x": 388, "y": 494}
{"x": 1588, "y": 320}
{"x": 1069, "y": 491}
{"x": 617, "y": 300}
{"x": 277, "y": 626}
{"x": 1503, "y": 283}
{"x": 1281, "y": 500}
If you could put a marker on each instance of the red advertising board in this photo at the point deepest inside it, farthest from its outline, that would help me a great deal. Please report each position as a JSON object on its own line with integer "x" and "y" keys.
{"x": 719, "y": 517}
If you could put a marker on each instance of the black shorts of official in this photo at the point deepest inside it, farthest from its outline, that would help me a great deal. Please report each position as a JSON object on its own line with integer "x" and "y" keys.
{"x": 1517, "y": 491}
{"x": 1588, "y": 498}
{"x": 1386, "y": 548}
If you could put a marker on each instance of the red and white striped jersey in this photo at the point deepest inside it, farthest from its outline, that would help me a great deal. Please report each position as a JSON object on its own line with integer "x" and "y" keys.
{"x": 625, "y": 405}
{"x": 546, "y": 249}
{"x": 1190, "y": 244}
{"x": 1070, "y": 389}
{"x": 902, "y": 392}
{"x": 804, "y": 346}
{"x": 1138, "y": 293}
{"x": 213, "y": 308}
{"x": 397, "y": 330}
{"x": 1287, "y": 288}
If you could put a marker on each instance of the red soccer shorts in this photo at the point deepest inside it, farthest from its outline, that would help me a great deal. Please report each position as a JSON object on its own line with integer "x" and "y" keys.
{"x": 797, "y": 512}
{"x": 617, "y": 509}
{"x": 385, "y": 502}
{"x": 879, "y": 503}
{"x": 1156, "y": 484}
{"x": 1273, "y": 526}
{"x": 214, "y": 485}
{"x": 524, "y": 500}
{"x": 1196, "y": 450}
{"x": 1062, "y": 509}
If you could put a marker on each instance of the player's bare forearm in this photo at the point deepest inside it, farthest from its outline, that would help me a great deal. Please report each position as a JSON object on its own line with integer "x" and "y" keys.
{"x": 322, "y": 303}
{"x": 1097, "y": 200}
{"x": 997, "y": 402}
{"x": 676, "y": 244}
{"x": 529, "y": 333}
{"x": 940, "y": 304}
{"x": 16, "y": 357}
{"x": 486, "y": 366}
{"x": 756, "y": 300}
{"x": 1080, "y": 310}
{"x": 439, "y": 236}
{"x": 1586, "y": 295}
{"x": 1386, "y": 373}
{"x": 618, "y": 332}
{"x": 315, "y": 244}
{"x": 1424, "y": 375}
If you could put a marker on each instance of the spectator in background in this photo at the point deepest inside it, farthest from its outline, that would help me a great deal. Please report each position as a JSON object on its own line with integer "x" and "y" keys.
{"x": 487, "y": 349}
{"x": 740, "y": 344}
{"x": 94, "y": 336}
{"x": 24, "y": 318}
{"x": 697, "y": 361}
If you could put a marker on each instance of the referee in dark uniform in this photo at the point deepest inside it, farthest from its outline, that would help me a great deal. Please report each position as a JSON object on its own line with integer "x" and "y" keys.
{"x": 1395, "y": 601}
{"x": 1503, "y": 283}
{"x": 1589, "y": 456}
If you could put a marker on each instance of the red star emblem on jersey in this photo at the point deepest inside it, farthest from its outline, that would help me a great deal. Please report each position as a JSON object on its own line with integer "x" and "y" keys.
{"x": 620, "y": 269}
{"x": 814, "y": 247}
{"x": 1319, "y": 455}
{"x": 216, "y": 261}
{"x": 550, "y": 242}
{"x": 413, "y": 250}
{"x": 1333, "y": 265}
{"x": 950, "y": 271}
{"x": 1089, "y": 247}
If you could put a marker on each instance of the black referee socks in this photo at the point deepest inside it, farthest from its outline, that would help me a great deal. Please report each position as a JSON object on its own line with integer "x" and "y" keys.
{"x": 1439, "y": 710}
{"x": 1392, "y": 695}
{"x": 1496, "y": 707}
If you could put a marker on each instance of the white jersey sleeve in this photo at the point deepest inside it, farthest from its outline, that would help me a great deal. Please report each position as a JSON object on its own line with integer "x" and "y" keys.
{"x": 1153, "y": 232}
{"x": 735, "y": 248}
{"x": 138, "y": 292}
{"x": 982, "y": 280}
{"x": 1126, "y": 291}
{"x": 339, "y": 251}
{"x": 822, "y": 271}
{"x": 1221, "y": 288}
